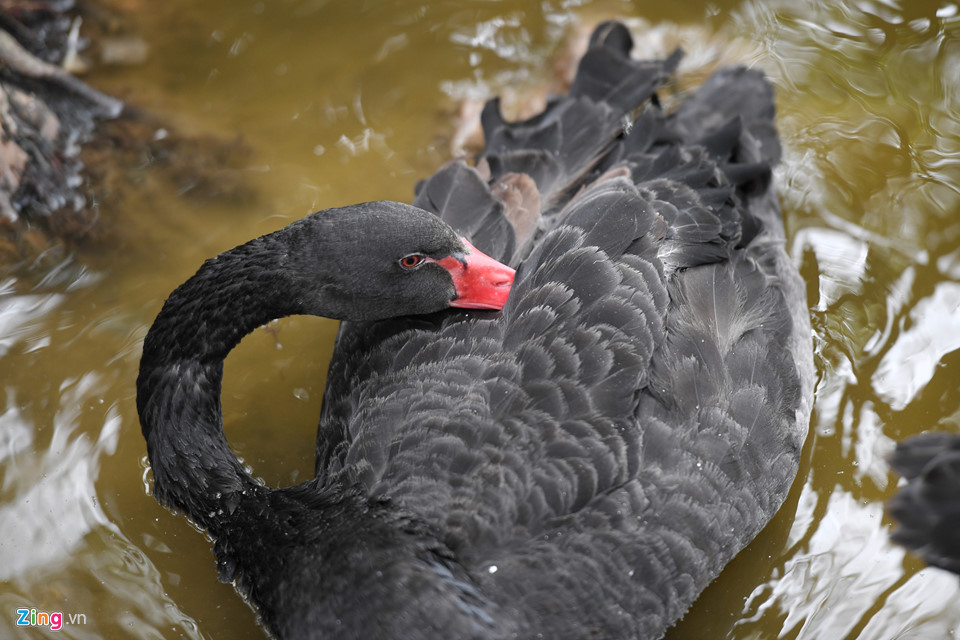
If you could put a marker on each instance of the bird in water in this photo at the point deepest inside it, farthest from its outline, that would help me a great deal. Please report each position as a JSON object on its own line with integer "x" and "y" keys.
{"x": 576, "y": 454}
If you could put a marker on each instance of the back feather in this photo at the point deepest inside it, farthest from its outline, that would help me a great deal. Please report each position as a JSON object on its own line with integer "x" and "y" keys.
{"x": 596, "y": 453}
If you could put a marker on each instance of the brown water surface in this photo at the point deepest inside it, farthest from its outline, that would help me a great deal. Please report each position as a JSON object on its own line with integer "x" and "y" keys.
{"x": 343, "y": 102}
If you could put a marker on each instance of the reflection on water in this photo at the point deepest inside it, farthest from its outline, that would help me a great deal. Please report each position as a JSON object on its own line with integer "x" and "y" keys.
{"x": 848, "y": 572}
{"x": 53, "y": 502}
{"x": 342, "y": 104}
{"x": 18, "y": 313}
{"x": 931, "y": 332}
{"x": 60, "y": 551}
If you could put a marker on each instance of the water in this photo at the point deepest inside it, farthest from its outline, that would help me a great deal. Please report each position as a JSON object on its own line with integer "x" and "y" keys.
{"x": 345, "y": 102}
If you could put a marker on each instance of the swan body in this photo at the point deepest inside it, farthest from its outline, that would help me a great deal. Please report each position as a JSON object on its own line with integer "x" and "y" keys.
{"x": 580, "y": 464}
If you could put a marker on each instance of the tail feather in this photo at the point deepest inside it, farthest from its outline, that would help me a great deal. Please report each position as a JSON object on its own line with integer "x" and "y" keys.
{"x": 735, "y": 93}
{"x": 577, "y": 131}
{"x": 556, "y": 149}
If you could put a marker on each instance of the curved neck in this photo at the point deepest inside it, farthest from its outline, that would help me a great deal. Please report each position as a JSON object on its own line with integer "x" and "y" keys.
{"x": 178, "y": 389}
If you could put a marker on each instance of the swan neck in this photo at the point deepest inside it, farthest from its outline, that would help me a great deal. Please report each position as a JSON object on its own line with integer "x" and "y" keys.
{"x": 181, "y": 372}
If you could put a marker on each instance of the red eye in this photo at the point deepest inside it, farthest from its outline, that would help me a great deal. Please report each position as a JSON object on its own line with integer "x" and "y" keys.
{"x": 410, "y": 261}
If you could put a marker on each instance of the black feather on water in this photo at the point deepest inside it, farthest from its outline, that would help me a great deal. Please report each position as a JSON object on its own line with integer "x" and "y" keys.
{"x": 927, "y": 508}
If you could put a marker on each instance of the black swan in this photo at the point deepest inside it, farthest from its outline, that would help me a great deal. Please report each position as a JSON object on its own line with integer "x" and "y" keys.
{"x": 927, "y": 508}
{"x": 578, "y": 465}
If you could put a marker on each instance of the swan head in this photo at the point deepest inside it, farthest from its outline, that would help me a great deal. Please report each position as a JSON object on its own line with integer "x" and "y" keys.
{"x": 385, "y": 259}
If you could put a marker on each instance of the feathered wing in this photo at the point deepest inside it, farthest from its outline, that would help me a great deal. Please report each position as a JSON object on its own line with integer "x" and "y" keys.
{"x": 594, "y": 455}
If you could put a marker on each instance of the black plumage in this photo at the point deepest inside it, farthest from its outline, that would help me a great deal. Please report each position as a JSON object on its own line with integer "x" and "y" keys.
{"x": 927, "y": 508}
{"x": 582, "y": 463}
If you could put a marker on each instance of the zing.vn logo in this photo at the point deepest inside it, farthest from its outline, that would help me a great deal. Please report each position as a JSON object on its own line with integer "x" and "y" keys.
{"x": 34, "y": 618}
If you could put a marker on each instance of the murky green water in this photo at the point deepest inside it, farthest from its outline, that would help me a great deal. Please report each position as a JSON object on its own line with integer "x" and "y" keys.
{"x": 342, "y": 102}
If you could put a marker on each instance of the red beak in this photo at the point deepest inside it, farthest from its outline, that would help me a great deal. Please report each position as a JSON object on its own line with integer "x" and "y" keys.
{"x": 481, "y": 281}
